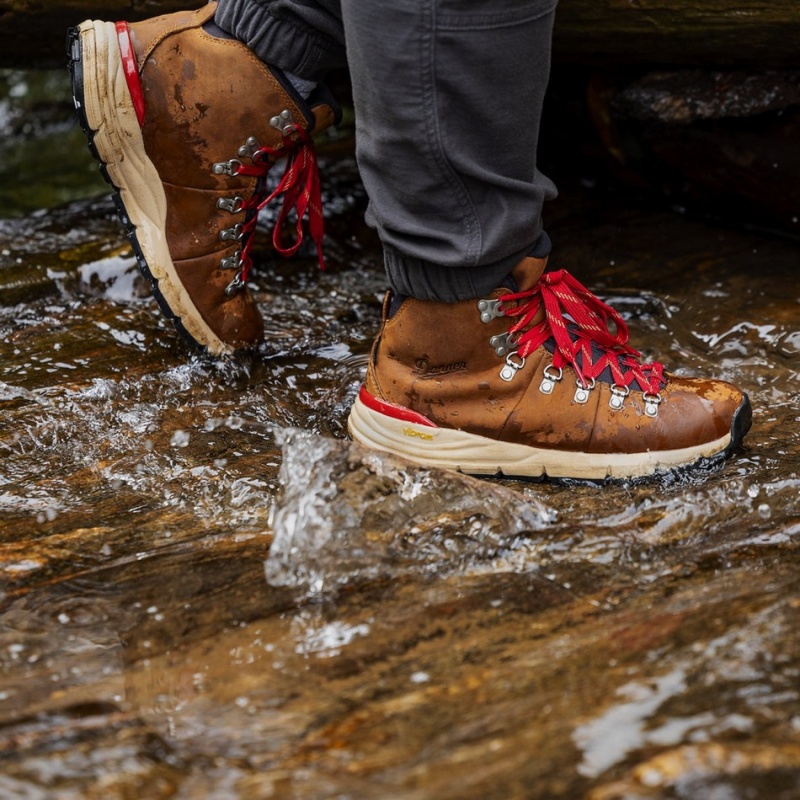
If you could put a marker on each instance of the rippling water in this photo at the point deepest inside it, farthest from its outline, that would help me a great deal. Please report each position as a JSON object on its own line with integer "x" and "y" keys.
{"x": 205, "y": 591}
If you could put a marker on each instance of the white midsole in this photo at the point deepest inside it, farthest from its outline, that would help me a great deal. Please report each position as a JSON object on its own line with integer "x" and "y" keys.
{"x": 118, "y": 139}
{"x": 479, "y": 455}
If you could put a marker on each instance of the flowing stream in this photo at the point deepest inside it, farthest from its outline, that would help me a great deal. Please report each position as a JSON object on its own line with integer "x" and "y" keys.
{"x": 206, "y": 591}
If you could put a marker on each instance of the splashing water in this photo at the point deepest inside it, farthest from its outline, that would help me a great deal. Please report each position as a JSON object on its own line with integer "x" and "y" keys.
{"x": 348, "y": 514}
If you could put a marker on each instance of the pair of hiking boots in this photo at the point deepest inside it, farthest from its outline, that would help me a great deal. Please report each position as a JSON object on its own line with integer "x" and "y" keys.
{"x": 537, "y": 378}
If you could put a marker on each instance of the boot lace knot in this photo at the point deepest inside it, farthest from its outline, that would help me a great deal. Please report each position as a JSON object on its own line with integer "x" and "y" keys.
{"x": 585, "y": 333}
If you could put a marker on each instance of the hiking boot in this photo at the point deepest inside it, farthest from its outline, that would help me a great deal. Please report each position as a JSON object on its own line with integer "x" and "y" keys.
{"x": 536, "y": 379}
{"x": 186, "y": 126}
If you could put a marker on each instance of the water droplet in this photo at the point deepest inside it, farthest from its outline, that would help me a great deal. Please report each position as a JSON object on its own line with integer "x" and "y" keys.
{"x": 179, "y": 439}
{"x": 752, "y": 491}
{"x": 764, "y": 511}
{"x": 420, "y": 677}
{"x": 652, "y": 777}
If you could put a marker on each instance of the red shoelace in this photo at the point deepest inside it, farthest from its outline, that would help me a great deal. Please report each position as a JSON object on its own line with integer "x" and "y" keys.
{"x": 300, "y": 188}
{"x": 579, "y": 324}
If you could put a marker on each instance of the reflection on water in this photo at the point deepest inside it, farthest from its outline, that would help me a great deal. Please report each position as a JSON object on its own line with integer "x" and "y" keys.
{"x": 206, "y": 592}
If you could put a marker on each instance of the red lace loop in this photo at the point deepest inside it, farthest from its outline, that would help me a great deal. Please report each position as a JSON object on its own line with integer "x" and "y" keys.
{"x": 576, "y": 320}
{"x": 300, "y": 187}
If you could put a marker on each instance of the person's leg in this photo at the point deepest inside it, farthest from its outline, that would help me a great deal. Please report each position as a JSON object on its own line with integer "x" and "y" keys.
{"x": 186, "y": 122}
{"x": 484, "y": 362}
{"x": 448, "y": 98}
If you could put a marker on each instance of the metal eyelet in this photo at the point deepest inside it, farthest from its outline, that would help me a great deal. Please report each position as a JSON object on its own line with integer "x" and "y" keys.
{"x": 549, "y": 380}
{"x": 582, "y": 392}
{"x": 512, "y": 367}
{"x": 235, "y": 286}
{"x": 618, "y": 395}
{"x": 249, "y": 148}
{"x": 490, "y": 309}
{"x": 231, "y": 204}
{"x": 232, "y": 234}
{"x": 232, "y": 262}
{"x": 227, "y": 167}
{"x": 283, "y": 122}
{"x": 651, "y": 403}
{"x": 503, "y": 343}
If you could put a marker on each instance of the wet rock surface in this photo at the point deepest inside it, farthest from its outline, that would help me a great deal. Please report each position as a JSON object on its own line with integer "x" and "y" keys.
{"x": 687, "y": 96}
{"x": 205, "y": 591}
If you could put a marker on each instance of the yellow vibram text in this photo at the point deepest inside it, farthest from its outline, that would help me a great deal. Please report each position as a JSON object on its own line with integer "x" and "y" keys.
{"x": 418, "y": 434}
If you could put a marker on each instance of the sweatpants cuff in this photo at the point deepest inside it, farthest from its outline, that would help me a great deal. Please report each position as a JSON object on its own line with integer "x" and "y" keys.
{"x": 287, "y": 44}
{"x": 424, "y": 280}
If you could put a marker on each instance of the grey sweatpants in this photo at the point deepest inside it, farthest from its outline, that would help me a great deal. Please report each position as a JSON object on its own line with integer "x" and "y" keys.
{"x": 448, "y": 97}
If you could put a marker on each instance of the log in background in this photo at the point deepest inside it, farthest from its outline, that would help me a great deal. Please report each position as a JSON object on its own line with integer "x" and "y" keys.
{"x": 730, "y": 33}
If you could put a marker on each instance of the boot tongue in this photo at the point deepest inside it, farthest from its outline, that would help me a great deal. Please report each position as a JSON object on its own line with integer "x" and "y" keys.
{"x": 527, "y": 273}
{"x": 524, "y": 277}
{"x": 324, "y": 108}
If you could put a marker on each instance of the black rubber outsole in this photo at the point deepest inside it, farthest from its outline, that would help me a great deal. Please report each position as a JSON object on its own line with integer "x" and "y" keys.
{"x": 75, "y": 62}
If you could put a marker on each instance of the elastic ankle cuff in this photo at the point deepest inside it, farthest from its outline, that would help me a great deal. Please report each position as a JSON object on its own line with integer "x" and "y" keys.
{"x": 286, "y": 44}
{"x": 425, "y": 280}
{"x": 542, "y": 246}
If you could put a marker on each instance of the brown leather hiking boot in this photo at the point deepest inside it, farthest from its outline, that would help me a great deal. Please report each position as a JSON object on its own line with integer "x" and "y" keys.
{"x": 186, "y": 127}
{"x": 532, "y": 381}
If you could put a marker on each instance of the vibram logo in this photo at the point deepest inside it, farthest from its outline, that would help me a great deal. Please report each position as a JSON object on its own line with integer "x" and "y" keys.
{"x": 428, "y": 437}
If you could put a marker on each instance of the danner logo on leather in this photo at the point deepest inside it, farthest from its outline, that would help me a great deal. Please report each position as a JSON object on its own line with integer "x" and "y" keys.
{"x": 425, "y": 369}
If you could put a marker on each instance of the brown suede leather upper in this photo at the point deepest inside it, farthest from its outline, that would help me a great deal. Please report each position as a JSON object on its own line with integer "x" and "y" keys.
{"x": 435, "y": 358}
{"x": 204, "y": 97}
